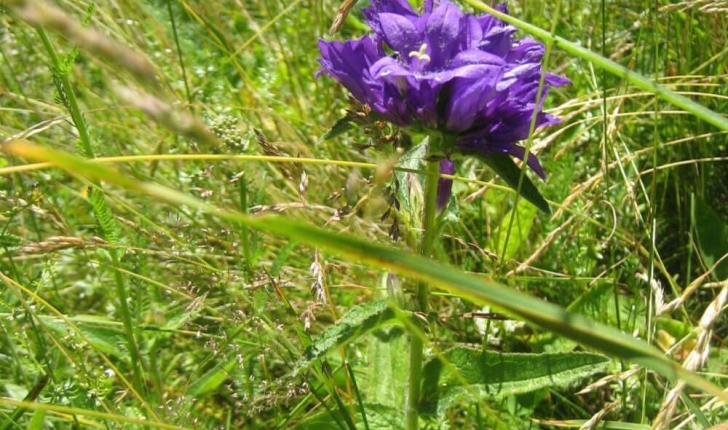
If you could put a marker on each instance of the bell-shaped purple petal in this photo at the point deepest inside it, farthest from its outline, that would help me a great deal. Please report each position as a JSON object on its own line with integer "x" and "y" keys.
{"x": 400, "y": 7}
{"x": 378, "y": 7}
{"x": 429, "y": 4}
{"x": 444, "y": 186}
{"x": 471, "y": 27}
{"x": 526, "y": 51}
{"x": 349, "y": 63}
{"x": 476, "y": 56}
{"x": 532, "y": 162}
{"x": 498, "y": 40}
{"x": 400, "y": 33}
{"x": 468, "y": 98}
{"x": 556, "y": 80}
{"x": 518, "y": 74}
{"x": 443, "y": 33}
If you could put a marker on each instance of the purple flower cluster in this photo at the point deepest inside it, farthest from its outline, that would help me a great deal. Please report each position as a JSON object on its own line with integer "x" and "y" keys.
{"x": 463, "y": 76}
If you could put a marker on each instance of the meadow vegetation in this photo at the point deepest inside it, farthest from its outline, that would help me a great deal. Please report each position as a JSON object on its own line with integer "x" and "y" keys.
{"x": 187, "y": 243}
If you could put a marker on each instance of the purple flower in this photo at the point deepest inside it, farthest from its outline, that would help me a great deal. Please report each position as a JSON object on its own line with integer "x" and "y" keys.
{"x": 463, "y": 76}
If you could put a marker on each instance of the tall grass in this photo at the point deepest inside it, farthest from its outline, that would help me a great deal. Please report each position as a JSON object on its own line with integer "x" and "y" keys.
{"x": 246, "y": 302}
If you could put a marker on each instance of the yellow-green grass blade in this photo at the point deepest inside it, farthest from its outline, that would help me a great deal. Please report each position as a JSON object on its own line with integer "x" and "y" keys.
{"x": 545, "y": 315}
{"x": 65, "y": 411}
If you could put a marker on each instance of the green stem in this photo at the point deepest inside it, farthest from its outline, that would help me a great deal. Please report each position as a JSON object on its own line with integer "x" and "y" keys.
{"x": 428, "y": 223}
{"x": 179, "y": 52}
{"x": 73, "y": 108}
{"x": 61, "y": 71}
{"x": 429, "y": 229}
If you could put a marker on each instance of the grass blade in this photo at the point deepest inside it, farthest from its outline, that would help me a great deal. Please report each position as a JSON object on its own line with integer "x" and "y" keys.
{"x": 543, "y": 314}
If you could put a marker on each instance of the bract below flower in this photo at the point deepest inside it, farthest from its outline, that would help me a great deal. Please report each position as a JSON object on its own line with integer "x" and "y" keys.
{"x": 461, "y": 75}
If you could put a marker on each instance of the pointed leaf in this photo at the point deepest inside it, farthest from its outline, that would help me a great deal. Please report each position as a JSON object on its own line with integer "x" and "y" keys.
{"x": 489, "y": 373}
{"x": 387, "y": 366}
{"x": 387, "y": 359}
{"x": 358, "y": 321}
{"x": 212, "y": 379}
{"x": 524, "y": 215}
{"x": 103, "y": 338}
{"x": 342, "y": 126}
{"x": 37, "y": 422}
{"x": 712, "y": 238}
{"x": 410, "y": 193}
{"x": 504, "y": 166}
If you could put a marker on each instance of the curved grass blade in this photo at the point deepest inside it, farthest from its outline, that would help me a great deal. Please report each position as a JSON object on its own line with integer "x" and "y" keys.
{"x": 105, "y": 416}
{"x": 543, "y": 314}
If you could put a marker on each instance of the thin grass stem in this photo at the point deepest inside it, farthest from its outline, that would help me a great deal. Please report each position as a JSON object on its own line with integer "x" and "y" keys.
{"x": 416, "y": 344}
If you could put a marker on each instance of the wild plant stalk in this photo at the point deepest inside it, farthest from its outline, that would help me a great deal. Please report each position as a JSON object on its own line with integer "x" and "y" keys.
{"x": 100, "y": 207}
{"x": 429, "y": 229}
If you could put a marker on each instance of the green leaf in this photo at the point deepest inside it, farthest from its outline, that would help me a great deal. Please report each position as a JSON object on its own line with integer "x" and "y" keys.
{"x": 379, "y": 417}
{"x": 14, "y": 391}
{"x": 177, "y": 320}
{"x": 342, "y": 126}
{"x": 212, "y": 379}
{"x": 712, "y": 235}
{"x": 504, "y": 166}
{"x": 387, "y": 359}
{"x": 104, "y": 215}
{"x": 102, "y": 338}
{"x": 481, "y": 291}
{"x": 593, "y": 300}
{"x": 488, "y": 373}
{"x": 387, "y": 366}
{"x": 525, "y": 214}
{"x": 592, "y": 304}
{"x": 37, "y": 422}
{"x": 674, "y": 328}
{"x": 358, "y": 321}
{"x": 410, "y": 192}
{"x": 8, "y": 240}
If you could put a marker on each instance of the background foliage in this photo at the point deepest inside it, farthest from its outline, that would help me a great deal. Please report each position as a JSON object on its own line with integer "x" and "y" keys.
{"x": 121, "y": 311}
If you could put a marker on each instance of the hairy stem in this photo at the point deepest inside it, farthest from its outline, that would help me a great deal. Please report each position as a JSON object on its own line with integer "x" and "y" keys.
{"x": 416, "y": 344}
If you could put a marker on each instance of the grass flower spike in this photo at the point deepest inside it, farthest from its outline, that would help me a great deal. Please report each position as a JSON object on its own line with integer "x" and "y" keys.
{"x": 444, "y": 72}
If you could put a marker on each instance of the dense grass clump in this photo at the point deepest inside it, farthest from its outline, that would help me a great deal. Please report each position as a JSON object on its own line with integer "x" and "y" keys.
{"x": 191, "y": 238}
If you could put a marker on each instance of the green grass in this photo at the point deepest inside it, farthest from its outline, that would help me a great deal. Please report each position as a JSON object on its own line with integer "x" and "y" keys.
{"x": 198, "y": 279}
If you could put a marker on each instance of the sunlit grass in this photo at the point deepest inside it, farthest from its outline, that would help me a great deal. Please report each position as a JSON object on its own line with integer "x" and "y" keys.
{"x": 221, "y": 312}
